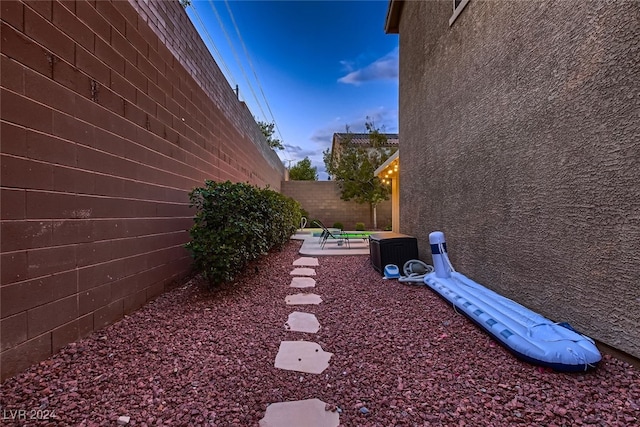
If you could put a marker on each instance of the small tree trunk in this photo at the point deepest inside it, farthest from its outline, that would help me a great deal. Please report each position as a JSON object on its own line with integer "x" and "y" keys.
{"x": 375, "y": 215}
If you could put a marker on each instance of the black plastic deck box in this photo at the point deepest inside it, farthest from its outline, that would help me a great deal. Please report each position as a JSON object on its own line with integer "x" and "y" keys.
{"x": 391, "y": 248}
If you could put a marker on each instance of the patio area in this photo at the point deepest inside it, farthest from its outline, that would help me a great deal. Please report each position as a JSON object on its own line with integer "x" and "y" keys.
{"x": 400, "y": 356}
{"x": 311, "y": 244}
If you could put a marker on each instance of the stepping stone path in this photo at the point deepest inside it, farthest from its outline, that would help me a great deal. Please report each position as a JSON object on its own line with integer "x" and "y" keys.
{"x": 308, "y": 413}
{"x": 303, "y": 282}
{"x": 306, "y": 262}
{"x": 301, "y": 356}
{"x": 301, "y": 299}
{"x": 302, "y": 322}
{"x": 303, "y": 272}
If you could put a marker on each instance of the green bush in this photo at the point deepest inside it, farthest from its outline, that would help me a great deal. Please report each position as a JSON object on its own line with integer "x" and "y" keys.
{"x": 338, "y": 225}
{"x": 359, "y": 226}
{"x": 236, "y": 223}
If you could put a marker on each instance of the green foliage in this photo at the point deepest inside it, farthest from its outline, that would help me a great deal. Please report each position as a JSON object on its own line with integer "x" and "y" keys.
{"x": 268, "y": 129}
{"x": 360, "y": 226}
{"x": 387, "y": 227}
{"x": 338, "y": 225}
{"x": 354, "y": 165}
{"x": 302, "y": 171}
{"x": 236, "y": 223}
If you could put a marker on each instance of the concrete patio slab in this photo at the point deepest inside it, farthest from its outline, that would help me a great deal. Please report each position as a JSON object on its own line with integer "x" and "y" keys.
{"x": 301, "y": 271}
{"x": 303, "y": 282}
{"x": 306, "y": 262}
{"x": 302, "y": 322}
{"x": 302, "y": 299}
{"x": 311, "y": 247}
{"x": 302, "y": 356}
{"x": 299, "y": 413}
{"x": 302, "y": 234}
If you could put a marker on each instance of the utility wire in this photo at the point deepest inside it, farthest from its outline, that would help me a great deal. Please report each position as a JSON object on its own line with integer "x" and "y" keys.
{"x": 244, "y": 47}
{"x": 235, "y": 54}
{"x": 228, "y": 75}
{"x": 246, "y": 52}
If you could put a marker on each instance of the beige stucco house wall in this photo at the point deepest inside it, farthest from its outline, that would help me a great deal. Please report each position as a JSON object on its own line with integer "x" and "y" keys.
{"x": 520, "y": 132}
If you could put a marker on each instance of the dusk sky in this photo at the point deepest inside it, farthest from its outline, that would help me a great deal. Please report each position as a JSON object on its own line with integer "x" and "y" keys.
{"x": 321, "y": 65}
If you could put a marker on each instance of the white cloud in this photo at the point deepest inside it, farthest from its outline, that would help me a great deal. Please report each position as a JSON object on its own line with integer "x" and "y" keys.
{"x": 385, "y": 119}
{"x": 300, "y": 153}
{"x": 385, "y": 68}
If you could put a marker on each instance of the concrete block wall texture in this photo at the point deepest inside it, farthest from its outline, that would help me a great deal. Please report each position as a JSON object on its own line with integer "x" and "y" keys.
{"x": 322, "y": 200}
{"x": 109, "y": 117}
{"x": 521, "y": 132}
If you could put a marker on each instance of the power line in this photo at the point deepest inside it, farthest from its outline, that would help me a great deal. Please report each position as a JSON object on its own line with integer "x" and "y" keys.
{"x": 244, "y": 47}
{"x": 235, "y": 54}
{"x": 230, "y": 77}
{"x": 229, "y": 74}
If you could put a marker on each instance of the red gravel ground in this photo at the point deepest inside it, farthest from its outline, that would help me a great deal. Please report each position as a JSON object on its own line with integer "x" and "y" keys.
{"x": 196, "y": 358}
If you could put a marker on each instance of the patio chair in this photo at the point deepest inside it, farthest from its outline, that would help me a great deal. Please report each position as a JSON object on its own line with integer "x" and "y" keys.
{"x": 328, "y": 234}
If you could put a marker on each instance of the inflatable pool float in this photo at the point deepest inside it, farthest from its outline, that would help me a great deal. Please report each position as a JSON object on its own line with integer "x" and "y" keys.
{"x": 527, "y": 334}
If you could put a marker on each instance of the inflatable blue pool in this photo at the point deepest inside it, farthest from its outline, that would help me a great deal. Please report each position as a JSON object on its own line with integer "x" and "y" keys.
{"x": 527, "y": 334}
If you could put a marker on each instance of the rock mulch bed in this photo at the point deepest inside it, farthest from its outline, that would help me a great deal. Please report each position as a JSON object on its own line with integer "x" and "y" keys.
{"x": 402, "y": 356}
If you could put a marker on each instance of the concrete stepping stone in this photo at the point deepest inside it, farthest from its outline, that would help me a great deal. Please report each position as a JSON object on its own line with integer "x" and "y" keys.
{"x": 302, "y": 299}
{"x": 301, "y": 271}
{"x": 306, "y": 262}
{"x": 303, "y": 282}
{"x": 302, "y": 356}
{"x": 307, "y": 413}
{"x": 302, "y": 322}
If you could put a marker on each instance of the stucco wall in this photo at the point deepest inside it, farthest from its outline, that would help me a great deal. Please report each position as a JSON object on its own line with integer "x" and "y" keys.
{"x": 322, "y": 200}
{"x": 109, "y": 118}
{"x": 520, "y": 128}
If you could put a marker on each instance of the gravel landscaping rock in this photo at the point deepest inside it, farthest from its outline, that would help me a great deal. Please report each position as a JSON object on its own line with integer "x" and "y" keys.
{"x": 401, "y": 356}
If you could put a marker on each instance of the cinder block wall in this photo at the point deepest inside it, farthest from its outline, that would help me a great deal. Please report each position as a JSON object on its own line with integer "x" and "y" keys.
{"x": 322, "y": 200}
{"x": 109, "y": 118}
{"x": 520, "y": 133}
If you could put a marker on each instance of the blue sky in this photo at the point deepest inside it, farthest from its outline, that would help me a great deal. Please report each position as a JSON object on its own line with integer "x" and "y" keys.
{"x": 321, "y": 65}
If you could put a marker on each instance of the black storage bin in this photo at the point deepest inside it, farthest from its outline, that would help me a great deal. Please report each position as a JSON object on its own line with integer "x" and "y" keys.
{"x": 391, "y": 248}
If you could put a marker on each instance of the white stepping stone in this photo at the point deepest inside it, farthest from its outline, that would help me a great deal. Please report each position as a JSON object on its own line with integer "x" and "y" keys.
{"x": 307, "y": 413}
{"x": 302, "y": 322}
{"x": 302, "y": 299}
{"x": 302, "y": 356}
{"x": 303, "y": 282}
{"x": 306, "y": 262}
{"x": 303, "y": 272}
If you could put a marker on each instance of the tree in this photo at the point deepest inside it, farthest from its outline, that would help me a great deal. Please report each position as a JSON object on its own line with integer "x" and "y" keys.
{"x": 302, "y": 171}
{"x": 267, "y": 130}
{"x": 354, "y": 165}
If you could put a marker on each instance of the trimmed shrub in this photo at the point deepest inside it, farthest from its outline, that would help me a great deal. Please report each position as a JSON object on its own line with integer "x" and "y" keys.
{"x": 359, "y": 226}
{"x": 236, "y": 223}
{"x": 338, "y": 225}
